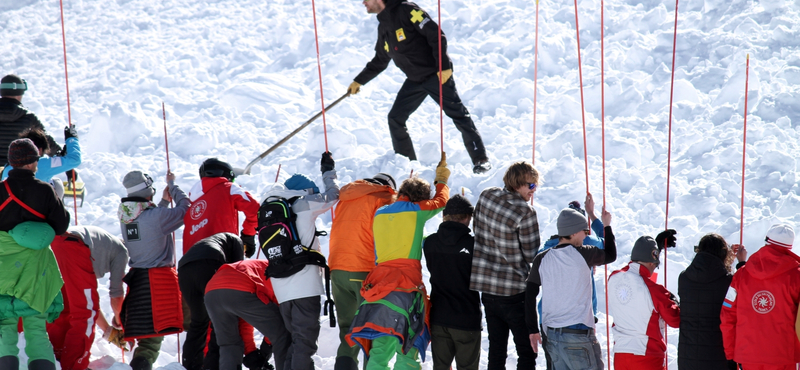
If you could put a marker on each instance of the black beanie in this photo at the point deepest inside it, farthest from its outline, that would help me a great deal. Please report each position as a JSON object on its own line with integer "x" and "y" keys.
{"x": 12, "y": 85}
{"x": 458, "y": 205}
{"x": 22, "y": 152}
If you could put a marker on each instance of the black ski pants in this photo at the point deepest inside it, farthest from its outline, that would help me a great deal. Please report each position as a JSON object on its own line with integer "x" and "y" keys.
{"x": 504, "y": 314}
{"x": 192, "y": 279}
{"x": 409, "y": 98}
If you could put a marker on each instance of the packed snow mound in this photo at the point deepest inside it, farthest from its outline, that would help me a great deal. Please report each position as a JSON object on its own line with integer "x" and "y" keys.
{"x": 238, "y": 75}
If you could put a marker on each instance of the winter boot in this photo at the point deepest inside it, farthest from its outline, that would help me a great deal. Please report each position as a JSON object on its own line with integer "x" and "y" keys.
{"x": 345, "y": 363}
{"x": 141, "y": 363}
{"x": 41, "y": 365}
{"x": 481, "y": 166}
{"x": 9, "y": 362}
{"x": 254, "y": 360}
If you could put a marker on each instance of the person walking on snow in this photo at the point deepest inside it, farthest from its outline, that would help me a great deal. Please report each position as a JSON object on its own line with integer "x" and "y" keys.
{"x": 506, "y": 240}
{"x": 85, "y": 254}
{"x": 216, "y": 203}
{"x": 702, "y": 287}
{"x": 564, "y": 275}
{"x": 152, "y": 307}
{"x": 298, "y": 295}
{"x": 15, "y": 118}
{"x": 50, "y": 166}
{"x": 640, "y": 307}
{"x": 30, "y": 217}
{"x": 352, "y": 253}
{"x": 393, "y": 318}
{"x": 455, "y": 310}
{"x": 408, "y": 35}
{"x": 760, "y": 308}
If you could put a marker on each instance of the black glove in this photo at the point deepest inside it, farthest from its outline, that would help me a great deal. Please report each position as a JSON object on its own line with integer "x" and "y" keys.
{"x": 70, "y": 131}
{"x": 327, "y": 163}
{"x": 668, "y": 236}
{"x": 249, "y": 242}
{"x": 254, "y": 360}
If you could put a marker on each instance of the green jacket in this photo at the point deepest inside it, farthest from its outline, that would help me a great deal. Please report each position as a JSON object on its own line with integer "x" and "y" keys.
{"x": 30, "y": 282}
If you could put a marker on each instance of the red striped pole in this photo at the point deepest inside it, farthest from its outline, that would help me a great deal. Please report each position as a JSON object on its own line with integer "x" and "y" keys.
{"x": 69, "y": 109}
{"x": 744, "y": 150}
{"x": 583, "y": 110}
{"x": 319, "y": 70}
{"x": 603, "y": 138}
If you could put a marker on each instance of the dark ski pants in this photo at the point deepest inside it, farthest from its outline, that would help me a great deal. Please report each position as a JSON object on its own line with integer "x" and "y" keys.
{"x": 301, "y": 317}
{"x": 226, "y": 306}
{"x": 462, "y": 345}
{"x": 504, "y": 314}
{"x": 409, "y": 98}
{"x": 346, "y": 289}
{"x": 192, "y": 279}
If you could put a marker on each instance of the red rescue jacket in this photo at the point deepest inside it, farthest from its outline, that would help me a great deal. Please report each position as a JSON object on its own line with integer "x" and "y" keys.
{"x": 216, "y": 203}
{"x": 246, "y": 276}
{"x": 758, "y": 314}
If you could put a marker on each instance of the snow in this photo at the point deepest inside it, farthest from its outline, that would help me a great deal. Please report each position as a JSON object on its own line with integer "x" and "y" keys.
{"x": 238, "y": 75}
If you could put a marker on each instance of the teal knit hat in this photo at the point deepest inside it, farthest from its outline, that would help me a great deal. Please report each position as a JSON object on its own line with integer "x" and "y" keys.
{"x": 300, "y": 182}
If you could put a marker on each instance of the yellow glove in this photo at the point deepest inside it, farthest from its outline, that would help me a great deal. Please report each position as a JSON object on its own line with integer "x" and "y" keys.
{"x": 442, "y": 173}
{"x": 446, "y": 74}
{"x": 116, "y": 337}
{"x": 354, "y": 88}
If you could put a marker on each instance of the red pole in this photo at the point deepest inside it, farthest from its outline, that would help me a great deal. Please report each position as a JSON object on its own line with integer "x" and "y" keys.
{"x": 744, "y": 148}
{"x": 174, "y": 257}
{"x": 412, "y": 174}
{"x": 583, "y": 110}
{"x": 441, "y": 82}
{"x": 669, "y": 152}
{"x": 319, "y": 70}
{"x": 69, "y": 109}
{"x": 535, "y": 80}
{"x": 603, "y": 144}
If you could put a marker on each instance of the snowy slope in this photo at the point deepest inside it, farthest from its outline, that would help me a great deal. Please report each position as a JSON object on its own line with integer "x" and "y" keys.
{"x": 238, "y": 75}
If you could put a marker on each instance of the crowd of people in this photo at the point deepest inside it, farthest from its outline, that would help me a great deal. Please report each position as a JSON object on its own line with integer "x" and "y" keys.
{"x": 540, "y": 291}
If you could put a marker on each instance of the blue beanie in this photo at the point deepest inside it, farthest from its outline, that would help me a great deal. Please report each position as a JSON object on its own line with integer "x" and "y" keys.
{"x": 300, "y": 182}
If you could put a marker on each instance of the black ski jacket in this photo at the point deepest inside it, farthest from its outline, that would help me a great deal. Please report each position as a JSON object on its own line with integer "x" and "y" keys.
{"x": 407, "y": 35}
{"x": 38, "y": 195}
{"x": 702, "y": 287}
{"x": 222, "y": 247}
{"x": 448, "y": 255}
{"x": 14, "y": 118}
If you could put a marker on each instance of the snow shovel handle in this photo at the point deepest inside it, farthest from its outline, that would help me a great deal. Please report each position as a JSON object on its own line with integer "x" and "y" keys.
{"x": 277, "y": 145}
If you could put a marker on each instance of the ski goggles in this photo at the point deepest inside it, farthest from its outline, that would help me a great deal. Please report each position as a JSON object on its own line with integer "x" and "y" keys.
{"x": 148, "y": 182}
{"x": 532, "y": 186}
{"x": 14, "y": 86}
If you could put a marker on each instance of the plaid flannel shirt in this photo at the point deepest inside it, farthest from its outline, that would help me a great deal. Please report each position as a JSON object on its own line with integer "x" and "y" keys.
{"x": 506, "y": 240}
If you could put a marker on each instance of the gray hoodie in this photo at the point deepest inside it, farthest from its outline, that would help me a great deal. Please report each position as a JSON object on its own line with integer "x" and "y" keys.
{"x": 108, "y": 255}
{"x": 148, "y": 234}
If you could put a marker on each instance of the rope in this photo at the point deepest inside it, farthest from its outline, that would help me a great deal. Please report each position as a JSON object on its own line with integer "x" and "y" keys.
{"x": 319, "y": 70}
{"x": 69, "y": 109}
{"x": 603, "y": 144}
{"x": 583, "y": 110}
{"x": 441, "y": 99}
{"x": 669, "y": 153}
{"x": 744, "y": 150}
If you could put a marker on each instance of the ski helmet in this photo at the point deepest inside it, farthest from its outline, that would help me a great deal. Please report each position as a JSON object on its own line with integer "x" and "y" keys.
{"x": 213, "y": 167}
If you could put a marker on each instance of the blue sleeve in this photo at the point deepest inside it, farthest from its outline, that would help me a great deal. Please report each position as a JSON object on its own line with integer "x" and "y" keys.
{"x": 5, "y": 172}
{"x": 550, "y": 243}
{"x": 597, "y": 227}
{"x": 49, "y": 167}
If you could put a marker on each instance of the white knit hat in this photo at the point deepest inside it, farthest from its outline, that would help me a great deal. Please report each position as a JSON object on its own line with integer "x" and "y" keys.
{"x": 781, "y": 235}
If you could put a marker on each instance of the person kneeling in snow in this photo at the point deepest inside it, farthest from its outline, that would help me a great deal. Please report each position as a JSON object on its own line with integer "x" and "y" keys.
{"x": 393, "y": 317}
{"x": 636, "y": 303}
{"x": 242, "y": 290}
{"x": 85, "y": 254}
{"x": 30, "y": 282}
{"x": 152, "y": 307}
{"x": 299, "y": 294}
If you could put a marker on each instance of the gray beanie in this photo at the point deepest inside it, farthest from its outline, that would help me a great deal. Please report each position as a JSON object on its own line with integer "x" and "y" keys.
{"x": 138, "y": 185}
{"x": 645, "y": 250}
{"x": 570, "y": 222}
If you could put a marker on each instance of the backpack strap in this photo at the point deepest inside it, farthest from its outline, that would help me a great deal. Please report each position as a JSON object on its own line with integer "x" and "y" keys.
{"x": 328, "y": 300}
{"x": 12, "y": 197}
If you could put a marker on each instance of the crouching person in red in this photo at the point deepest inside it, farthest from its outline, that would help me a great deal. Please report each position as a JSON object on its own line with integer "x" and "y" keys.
{"x": 152, "y": 307}
{"x": 85, "y": 254}
{"x": 242, "y": 290}
{"x": 759, "y": 311}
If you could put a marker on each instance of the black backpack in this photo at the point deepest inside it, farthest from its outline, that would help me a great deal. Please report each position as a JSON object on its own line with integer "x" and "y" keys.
{"x": 277, "y": 235}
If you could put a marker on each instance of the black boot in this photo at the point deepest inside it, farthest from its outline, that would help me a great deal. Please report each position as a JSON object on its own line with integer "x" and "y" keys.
{"x": 141, "y": 363}
{"x": 345, "y": 363}
{"x": 9, "y": 362}
{"x": 41, "y": 365}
